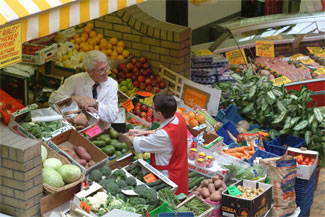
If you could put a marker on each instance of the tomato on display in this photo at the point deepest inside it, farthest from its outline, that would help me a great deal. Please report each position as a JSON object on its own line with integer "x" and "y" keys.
{"x": 303, "y": 163}
{"x": 299, "y": 160}
{"x": 306, "y": 159}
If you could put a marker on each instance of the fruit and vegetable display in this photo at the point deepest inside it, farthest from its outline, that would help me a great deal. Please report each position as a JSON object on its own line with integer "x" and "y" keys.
{"x": 110, "y": 144}
{"x": 248, "y": 192}
{"x": 56, "y": 174}
{"x": 195, "y": 205}
{"x": 144, "y": 112}
{"x": 137, "y": 73}
{"x": 304, "y": 160}
{"x": 210, "y": 189}
{"x": 243, "y": 152}
{"x": 147, "y": 100}
{"x": 191, "y": 118}
{"x": 41, "y": 129}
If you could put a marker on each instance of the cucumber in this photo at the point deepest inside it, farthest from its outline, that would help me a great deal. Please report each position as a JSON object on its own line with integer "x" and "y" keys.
{"x": 195, "y": 182}
{"x": 192, "y": 174}
{"x": 161, "y": 186}
{"x": 151, "y": 184}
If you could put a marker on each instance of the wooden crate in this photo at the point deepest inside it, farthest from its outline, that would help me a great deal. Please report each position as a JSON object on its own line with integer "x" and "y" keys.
{"x": 174, "y": 81}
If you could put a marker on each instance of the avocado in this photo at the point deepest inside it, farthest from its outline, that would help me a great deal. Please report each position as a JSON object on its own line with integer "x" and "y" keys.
{"x": 99, "y": 143}
{"x": 109, "y": 150}
{"x": 118, "y": 146}
{"x": 113, "y": 133}
{"x": 106, "y": 138}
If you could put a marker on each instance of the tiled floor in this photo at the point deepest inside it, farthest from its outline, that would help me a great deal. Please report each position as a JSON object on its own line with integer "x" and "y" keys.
{"x": 318, "y": 207}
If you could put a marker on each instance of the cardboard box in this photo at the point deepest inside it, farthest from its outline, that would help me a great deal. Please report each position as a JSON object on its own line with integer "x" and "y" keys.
{"x": 121, "y": 138}
{"x": 234, "y": 206}
{"x": 92, "y": 118}
{"x": 18, "y": 117}
{"x": 146, "y": 167}
{"x": 304, "y": 171}
{"x": 42, "y": 56}
{"x": 213, "y": 143}
{"x": 51, "y": 81}
{"x": 67, "y": 139}
{"x": 209, "y": 208}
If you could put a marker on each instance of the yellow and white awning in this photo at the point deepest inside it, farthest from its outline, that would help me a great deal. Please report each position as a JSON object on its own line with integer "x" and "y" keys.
{"x": 43, "y": 17}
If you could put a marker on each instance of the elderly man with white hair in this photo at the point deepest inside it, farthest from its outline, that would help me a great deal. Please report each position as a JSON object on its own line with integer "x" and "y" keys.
{"x": 93, "y": 90}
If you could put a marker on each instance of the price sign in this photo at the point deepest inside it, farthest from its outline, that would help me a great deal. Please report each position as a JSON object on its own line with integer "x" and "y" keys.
{"x": 233, "y": 190}
{"x": 194, "y": 98}
{"x": 307, "y": 61}
{"x": 320, "y": 71}
{"x": 85, "y": 206}
{"x": 236, "y": 56}
{"x": 264, "y": 48}
{"x": 128, "y": 105}
{"x": 10, "y": 45}
{"x": 281, "y": 80}
{"x": 95, "y": 130}
{"x": 318, "y": 51}
{"x": 150, "y": 178}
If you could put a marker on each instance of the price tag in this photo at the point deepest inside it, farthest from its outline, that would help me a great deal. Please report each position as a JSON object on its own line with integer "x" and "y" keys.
{"x": 144, "y": 93}
{"x": 128, "y": 105}
{"x": 233, "y": 190}
{"x": 150, "y": 178}
{"x": 307, "y": 61}
{"x": 264, "y": 48}
{"x": 95, "y": 130}
{"x": 193, "y": 98}
{"x": 318, "y": 51}
{"x": 297, "y": 56}
{"x": 202, "y": 52}
{"x": 281, "y": 80}
{"x": 236, "y": 56}
{"x": 320, "y": 71}
{"x": 85, "y": 206}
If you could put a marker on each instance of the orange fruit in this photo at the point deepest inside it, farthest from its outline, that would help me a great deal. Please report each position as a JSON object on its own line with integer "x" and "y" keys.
{"x": 193, "y": 123}
{"x": 90, "y": 25}
{"x": 76, "y": 46}
{"x": 200, "y": 118}
{"x": 84, "y": 34}
{"x": 92, "y": 34}
{"x": 113, "y": 41}
{"x": 109, "y": 52}
{"x": 91, "y": 47}
{"x": 96, "y": 47}
{"x": 100, "y": 36}
{"x": 103, "y": 46}
{"x": 121, "y": 44}
{"x": 191, "y": 115}
{"x": 109, "y": 46}
{"x": 125, "y": 53}
{"x": 187, "y": 118}
{"x": 119, "y": 50}
{"x": 113, "y": 57}
{"x": 120, "y": 57}
{"x": 103, "y": 51}
{"x": 78, "y": 40}
{"x": 75, "y": 36}
{"x": 92, "y": 42}
{"x": 103, "y": 40}
{"x": 96, "y": 39}
{"x": 87, "y": 29}
{"x": 85, "y": 48}
{"x": 72, "y": 41}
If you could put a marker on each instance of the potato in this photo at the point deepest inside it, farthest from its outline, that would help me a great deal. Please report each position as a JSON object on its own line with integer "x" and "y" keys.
{"x": 215, "y": 178}
{"x": 210, "y": 181}
{"x": 221, "y": 189}
{"x": 80, "y": 119}
{"x": 211, "y": 188}
{"x": 91, "y": 163}
{"x": 208, "y": 198}
{"x": 218, "y": 184}
{"x": 198, "y": 189}
{"x": 82, "y": 152}
{"x": 205, "y": 183}
{"x": 205, "y": 192}
{"x": 197, "y": 193}
{"x": 82, "y": 162}
{"x": 224, "y": 185}
{"x": 73, "y": 154}
{"x": 216, "y": 196}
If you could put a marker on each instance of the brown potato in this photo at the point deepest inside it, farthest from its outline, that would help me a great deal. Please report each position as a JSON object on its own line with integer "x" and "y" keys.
{"x": 82, "y": 152}
{"x": 205, "y": 192}
{"x": 91, "y": 163}
{"x": 218, "y": 184}
{"x": 215, "y": 178}
{"x": 80, "y": 119}
{"x": 82, "y": 162}
{"x": 205, "y": 183}
{"x": 216, "y": 196}
{"x": 73, "y": 154}
{"x": 211, "y": 188}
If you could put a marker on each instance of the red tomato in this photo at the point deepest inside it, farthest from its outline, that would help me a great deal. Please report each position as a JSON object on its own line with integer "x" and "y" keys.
{"x": 299, "y": 160}
{"x": 303, "y": 163}
{"x": 312, "y": 160}
{"x": 310, "y": 163}
{"x": 306, "y": 159}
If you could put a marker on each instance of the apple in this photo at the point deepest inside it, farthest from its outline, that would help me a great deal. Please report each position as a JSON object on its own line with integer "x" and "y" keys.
{"x": 144, "y": 73}
{"x": 143, "y": 60}
{"x": 141, "y": 78}
{"x": 113, "y": 76}
{"x": 138, "y": 104}
{"x": 138, "y": 65}
{"x": 115, "y": 71}
{"x": 134, "y": 60}
{"x": 134, "y": 77}
{"x": 128, "y": 75}
{"x": 149, "y": 119}
{"x": 135, "y": 70}
{"x": 137, "y": 111}
{"x": 144, "y": 108}
{"x": 125, "y": 70}
{"x": 133, "y": 121}
{"x": 149, "y": 71}
{"x": 149, "y": 88}
{"x": 145, "y": 65}
{"x": 121, "y": 66}
{"x": 150, "y": 110}
{"x": 137, "y": 74}
{"x": 142, "y": 114}
{"x": 129, "y": 66}
{"x": 156, "y": 89}
{"x": 148, "y": 81}
{"x": 159, "y": 78}
{"x": 154, "y": 83}
{"x": 136, "y": 84}
{"x": 120, "y": 75}
{"x": 142, "y": 86}
{"x": 162, "y": 85}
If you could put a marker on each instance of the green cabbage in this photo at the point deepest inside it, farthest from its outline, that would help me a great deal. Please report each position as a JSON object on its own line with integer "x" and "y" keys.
{"x": 52, "y": 163}
{"x": 51, "y": 177}
{"x": 69, "y": 173}
{"x": 43, "y": 153}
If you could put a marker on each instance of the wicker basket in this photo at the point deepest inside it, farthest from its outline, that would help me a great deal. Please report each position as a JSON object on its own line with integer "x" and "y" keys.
{"x": 53, "y": 154}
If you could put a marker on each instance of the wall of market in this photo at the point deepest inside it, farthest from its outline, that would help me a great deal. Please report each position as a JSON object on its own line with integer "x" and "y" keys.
{"x": 221, "y": 9}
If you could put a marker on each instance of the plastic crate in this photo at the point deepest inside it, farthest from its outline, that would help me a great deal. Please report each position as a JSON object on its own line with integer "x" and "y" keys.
{"x": 223, "y": 132}
{"x": 163, "y": 208}
{"x": 231, "y": 114}
{"x": 179, "y": 214}
{"x": 276, "y": 146}
{"x": 305, "y": 193}
{"x": 262, "y": 154}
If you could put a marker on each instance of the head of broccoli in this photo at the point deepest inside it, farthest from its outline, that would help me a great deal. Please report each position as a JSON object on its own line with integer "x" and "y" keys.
{"x": 121, "y": 183}
{"x": 119, "y": 175}
{"x": 151, "y": 196}
{"x": 137, "y": 201}
{"x": 113, "y": 189}
{"x": 130, "y": 181}
{"x": 95, "y": 175}
{"x": 103, "y": 182}
{"x": 106, "y": 171}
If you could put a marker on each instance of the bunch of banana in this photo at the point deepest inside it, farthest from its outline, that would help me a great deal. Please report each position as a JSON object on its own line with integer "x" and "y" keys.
{"x": 132, "y": 92}
{"x": 148, "y": 100}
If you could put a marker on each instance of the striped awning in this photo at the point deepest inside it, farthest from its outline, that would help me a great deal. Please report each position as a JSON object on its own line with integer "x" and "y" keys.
{"x": 43, "y": 17}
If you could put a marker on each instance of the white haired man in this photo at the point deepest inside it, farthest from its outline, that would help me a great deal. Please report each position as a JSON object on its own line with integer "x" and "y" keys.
{"x": 93, "y": 90}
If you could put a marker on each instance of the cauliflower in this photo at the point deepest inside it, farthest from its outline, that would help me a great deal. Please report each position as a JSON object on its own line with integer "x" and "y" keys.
{"x": 98, "y": 199}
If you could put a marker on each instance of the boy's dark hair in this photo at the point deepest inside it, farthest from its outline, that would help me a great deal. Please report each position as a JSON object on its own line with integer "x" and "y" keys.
{"x": 166, "y": 104}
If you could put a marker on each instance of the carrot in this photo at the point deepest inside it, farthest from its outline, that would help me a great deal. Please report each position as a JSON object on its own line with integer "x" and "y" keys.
{"x": 247, "y": 148}
{"x": 251, "y": 152}
{"x": 252, "y": 146}
{"x": 235, "y": 155}
{"x": 240, "y": 149}
{"x": 232, "y": 150}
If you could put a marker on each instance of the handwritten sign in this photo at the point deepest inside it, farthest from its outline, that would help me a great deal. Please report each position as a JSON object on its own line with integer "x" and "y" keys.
{"x": 281, "y": 80}
{"x": 85, "y": 206}
{"x": 95, "y": 130}
{"x": 236, "y": 56}
{"x": 202, "y": 52}
{"x": 307, "y": 61}
{"x": 10, "y": 45}
{"x": 150, "y": 178}
{"x": 128, "y": 105}
{"x": 318, "y": 51}
{"x": 320, "y": 71}
{"x": 233, "y": 190}
{"x": 193, "y": 98}
{"x": 264, "y": 48}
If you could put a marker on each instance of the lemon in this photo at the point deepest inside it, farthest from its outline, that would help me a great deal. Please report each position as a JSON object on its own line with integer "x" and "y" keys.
{"x": 65, "y": 57}
{"x": 59, "y": 59}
